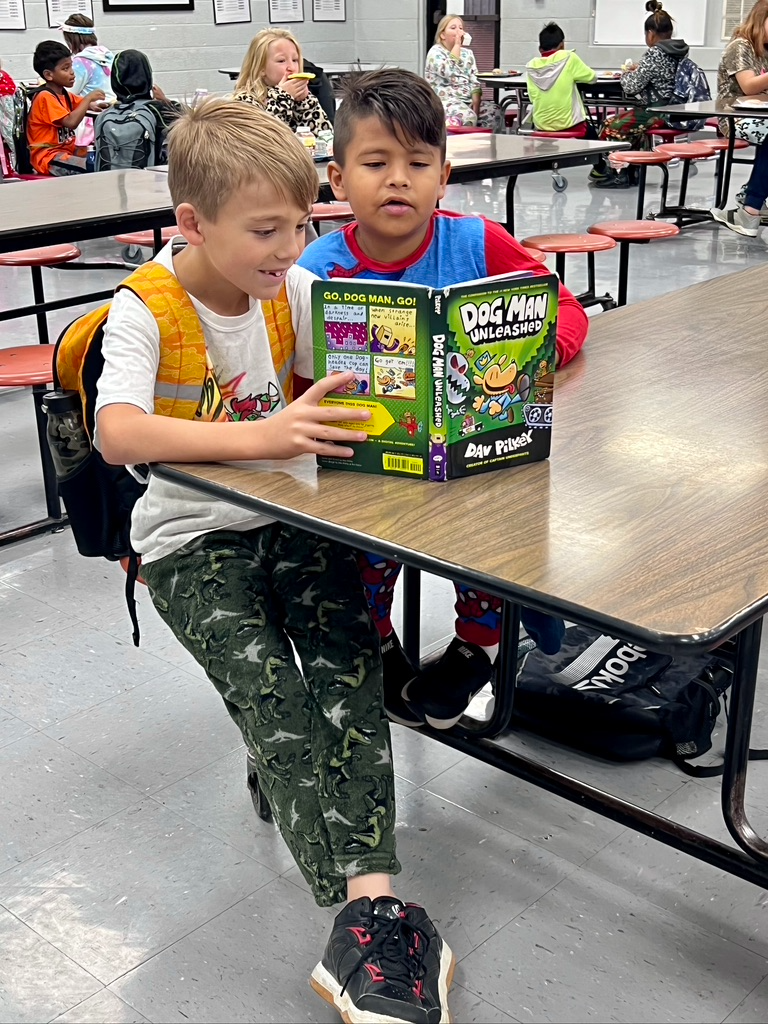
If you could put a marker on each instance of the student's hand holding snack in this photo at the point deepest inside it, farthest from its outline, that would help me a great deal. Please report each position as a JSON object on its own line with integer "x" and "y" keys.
{"x": 158, "y": 94}
{"x": 305, "y": 427}
{"x": 297, "y": 88}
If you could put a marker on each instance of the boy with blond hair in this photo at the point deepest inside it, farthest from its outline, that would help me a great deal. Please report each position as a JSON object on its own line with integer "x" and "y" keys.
{"x": 237, "y": 588}
{"x": 389, "y": 165}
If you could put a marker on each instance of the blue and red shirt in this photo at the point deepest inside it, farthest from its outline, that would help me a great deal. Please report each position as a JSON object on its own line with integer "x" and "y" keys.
{"x": 456, "y": 248}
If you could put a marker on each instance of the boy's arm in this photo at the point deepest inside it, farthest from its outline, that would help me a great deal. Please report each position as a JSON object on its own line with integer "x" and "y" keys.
{"x": 128, "y": 431}
{"x": 83, "y": 105}
{"x": 581, "y": 72}
{"x": 503, "y": 254}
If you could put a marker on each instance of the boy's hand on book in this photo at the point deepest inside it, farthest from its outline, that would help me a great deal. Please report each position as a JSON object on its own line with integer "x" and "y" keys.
{"x": 306, "y": 427}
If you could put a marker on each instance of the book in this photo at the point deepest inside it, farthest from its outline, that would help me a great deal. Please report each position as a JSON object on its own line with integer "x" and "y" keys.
{"x": 458, "y": 380}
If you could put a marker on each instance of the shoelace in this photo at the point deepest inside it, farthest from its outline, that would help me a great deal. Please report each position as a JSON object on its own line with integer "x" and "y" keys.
{"x": 399, "y": 947}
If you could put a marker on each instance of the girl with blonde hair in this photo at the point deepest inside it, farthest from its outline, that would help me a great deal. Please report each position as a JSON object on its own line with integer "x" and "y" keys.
{"x": 743, "y": 71}
{"x": 451, "y": 70}
{"x": 265, "y": 80}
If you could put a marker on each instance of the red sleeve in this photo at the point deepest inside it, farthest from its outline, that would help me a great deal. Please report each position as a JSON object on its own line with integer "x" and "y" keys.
{"x": 504, "y": 254}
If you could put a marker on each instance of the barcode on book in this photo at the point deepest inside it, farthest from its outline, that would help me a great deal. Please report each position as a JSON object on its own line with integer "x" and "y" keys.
{"x": 403, "y": 464}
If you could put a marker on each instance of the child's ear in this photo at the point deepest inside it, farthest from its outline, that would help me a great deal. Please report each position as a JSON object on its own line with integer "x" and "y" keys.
{"x": 444, "y": 176}
{"x": 336, "y": 180}
{"x": 47, "y": 75}
{"x": 189, "y": 223}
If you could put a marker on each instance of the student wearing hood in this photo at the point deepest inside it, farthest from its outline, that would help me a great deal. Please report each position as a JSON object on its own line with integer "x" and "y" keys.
{"x": 652, "y": 82}
{"x": 131, "y": 82}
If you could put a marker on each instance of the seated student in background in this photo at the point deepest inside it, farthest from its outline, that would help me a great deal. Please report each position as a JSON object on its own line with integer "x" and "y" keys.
{"x": 389, "y": 164}
{"x": 653, "y": 82}
{"x": 553, "y": 79}
{"x": 237, "y": 588}
{"x": 265, "y": 80}
{"x": 55, "y": 113}
{"x": 134, "y": 90}
{"x": 743, "y": 71}
{"x": 451, "y": 70}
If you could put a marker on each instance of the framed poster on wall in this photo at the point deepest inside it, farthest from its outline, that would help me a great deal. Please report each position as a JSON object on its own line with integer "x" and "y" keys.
{"x": 117, "y": 6}
{"x": 283, "y": 11}
{"x": 329, "y": 10}
{"x": 60, "y": 10}
{"x": 12, "y": 16}
{"x": 231, "y": 12}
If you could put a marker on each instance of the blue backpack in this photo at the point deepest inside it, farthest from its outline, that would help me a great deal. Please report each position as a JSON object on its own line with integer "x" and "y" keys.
{"x": 691, "y": 86}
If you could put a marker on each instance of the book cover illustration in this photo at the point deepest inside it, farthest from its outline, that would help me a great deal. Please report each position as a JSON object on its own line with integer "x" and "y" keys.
{"x": 458, "y": 381}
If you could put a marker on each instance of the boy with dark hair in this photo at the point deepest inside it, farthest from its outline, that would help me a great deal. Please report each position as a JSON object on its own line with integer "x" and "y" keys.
{"x": 553, "y": 79}
{"x": 389, "y": 164}
{"x": 239, "y": 589}
{"x": 55, "y": 113}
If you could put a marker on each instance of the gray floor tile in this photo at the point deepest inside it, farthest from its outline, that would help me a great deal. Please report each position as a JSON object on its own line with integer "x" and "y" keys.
{"x": 24, "y": 619}
{"x": 12, "y": 728}
{"x": 89, "y": 587}
{"x": 36, "y": 980}
{"x": 471, "y": 1009}
{"x": 103, "y": 1008}
{"x": 70, "y": 671}
{"x": 417, "y": 758}
{"x": 704, "y": 895}
{"x": 156, "y": 637}
{"x": 51, "y": 794}
{"x": 589, "y": 950}
{"x": 115, "y": 895}
{"x": 250, "y": 963}
{"x": 473, "y": 877}
{"x": 565, "y": 828}
{"x": 216, "y": 798}
{"x": 754, "y": 1009}
{"x": 178, "y": 724}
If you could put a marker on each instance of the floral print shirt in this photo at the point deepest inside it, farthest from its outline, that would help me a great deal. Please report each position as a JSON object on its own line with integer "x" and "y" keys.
{"x": 453, "y": 79}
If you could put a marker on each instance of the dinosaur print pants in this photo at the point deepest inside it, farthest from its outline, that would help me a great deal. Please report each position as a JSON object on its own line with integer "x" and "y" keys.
{"x": 319, "y": 735}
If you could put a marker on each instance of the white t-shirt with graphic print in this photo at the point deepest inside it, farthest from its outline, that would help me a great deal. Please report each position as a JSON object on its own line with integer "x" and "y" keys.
{"x": 167, "y": 516}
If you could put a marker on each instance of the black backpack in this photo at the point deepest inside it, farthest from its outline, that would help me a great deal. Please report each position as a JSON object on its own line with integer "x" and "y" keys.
{"x": 126, "y": 136}
{"x": 615, "y": 699}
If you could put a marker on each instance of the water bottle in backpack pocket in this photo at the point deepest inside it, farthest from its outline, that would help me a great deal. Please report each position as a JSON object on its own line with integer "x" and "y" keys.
{"x": 126, "y": 136}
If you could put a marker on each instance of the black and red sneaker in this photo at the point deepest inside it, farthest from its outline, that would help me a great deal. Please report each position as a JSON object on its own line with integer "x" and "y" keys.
{"x": 385, "y": 962}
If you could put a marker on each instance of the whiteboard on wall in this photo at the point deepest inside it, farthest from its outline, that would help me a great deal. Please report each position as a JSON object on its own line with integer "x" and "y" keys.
{"x": 620, "y": 22}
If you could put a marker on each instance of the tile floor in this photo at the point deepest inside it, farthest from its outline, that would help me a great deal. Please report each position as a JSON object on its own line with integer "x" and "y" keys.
{"x": 136, "y": 883}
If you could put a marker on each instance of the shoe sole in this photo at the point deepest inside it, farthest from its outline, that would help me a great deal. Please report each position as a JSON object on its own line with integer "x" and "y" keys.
{"x": 402, "y": 721}
{"x": 329, "y": 989}
{"x": 722, "y": 219}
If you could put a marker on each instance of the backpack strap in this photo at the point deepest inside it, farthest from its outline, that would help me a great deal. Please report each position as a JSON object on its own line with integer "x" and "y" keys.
{"x": 282, "y": 339}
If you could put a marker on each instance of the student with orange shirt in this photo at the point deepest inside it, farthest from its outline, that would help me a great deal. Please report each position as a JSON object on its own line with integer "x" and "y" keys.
{"x": 55, "y": 113}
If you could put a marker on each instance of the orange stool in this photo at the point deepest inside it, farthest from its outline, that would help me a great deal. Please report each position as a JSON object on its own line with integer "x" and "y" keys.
{"x": 562, "y": 245}
{"x": 642, "y": 159}
{"x": 687, "y": 152}
{"x": 31, "y": 366}
{"x": 631, "y": 232}
{"x": 36, "y": 259}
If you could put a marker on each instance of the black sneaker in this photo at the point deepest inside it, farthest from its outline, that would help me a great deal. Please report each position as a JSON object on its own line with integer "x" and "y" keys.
{"x": 445, "y": 688}
{"x": 398, "y": 673}
{"x": 617, "y": 179}
{"x": 385, "y": 962}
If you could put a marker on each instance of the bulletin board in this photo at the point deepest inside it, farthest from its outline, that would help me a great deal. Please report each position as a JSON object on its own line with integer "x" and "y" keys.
{"x": 620, "y": 22}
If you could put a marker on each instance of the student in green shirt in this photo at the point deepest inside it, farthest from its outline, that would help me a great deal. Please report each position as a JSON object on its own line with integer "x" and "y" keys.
{"x": 553, "y": 78}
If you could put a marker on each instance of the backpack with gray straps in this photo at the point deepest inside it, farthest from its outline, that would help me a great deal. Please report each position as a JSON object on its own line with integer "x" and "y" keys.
{"x": 125, "y": 136}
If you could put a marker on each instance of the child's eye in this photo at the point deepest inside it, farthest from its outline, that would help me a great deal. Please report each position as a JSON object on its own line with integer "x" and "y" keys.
{"x": 302, "y": 227}
{"x": 374, "y": 163}
{"x": 265, "y": 233}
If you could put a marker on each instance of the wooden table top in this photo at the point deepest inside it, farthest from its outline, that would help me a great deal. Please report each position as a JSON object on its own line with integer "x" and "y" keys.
{"x": 648, "y": 520}
{"x": 715, "y": 108}
{"x": 82, "y": 206}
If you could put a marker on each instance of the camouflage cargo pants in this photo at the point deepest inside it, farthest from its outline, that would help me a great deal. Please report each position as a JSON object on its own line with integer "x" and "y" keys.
{"x": 320, "y": 738}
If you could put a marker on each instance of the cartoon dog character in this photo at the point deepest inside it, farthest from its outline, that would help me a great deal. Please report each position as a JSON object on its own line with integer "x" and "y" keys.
{"x": 499, "y": 390}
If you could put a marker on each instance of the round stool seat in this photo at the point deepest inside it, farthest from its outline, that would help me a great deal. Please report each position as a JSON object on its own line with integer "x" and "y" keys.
{"x": 634, "y": 230}
{"x": 640, "y": 156}
{"x": 331, "y": 211}
{"x": 668, "y": 133}
{"x": 535, "y": 254}
{"x": 147, "y": 238}
{"x": 719, "y": 144}
{"x": 468, "y": 130}
{"x": 45, "y": 256}
{"x": 568, "y": 134}
{"x": 686, "y": 150}
{"x": 26, "y": 365}
{"x": 569, "y": 243}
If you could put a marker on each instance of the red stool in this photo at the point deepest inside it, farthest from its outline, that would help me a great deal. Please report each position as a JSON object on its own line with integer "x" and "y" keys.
{"x": 468, "y": 130}
{"x": 31, "y": 366}
{"x": 36, "y": 259}
{"x": 642, "y": 159}
{"x": 687, "y": 152}
{"x": 562, "y": 245}
{"x": 631, "y": 232}
{"x": 322, "y": 213}
{"x": 667, "y": 135}
{"x": 722, "y": 147}
{"x": 152, "y": 238}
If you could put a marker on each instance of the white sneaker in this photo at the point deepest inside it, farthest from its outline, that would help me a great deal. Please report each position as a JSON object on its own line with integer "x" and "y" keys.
{"x": 738, "y": 220}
